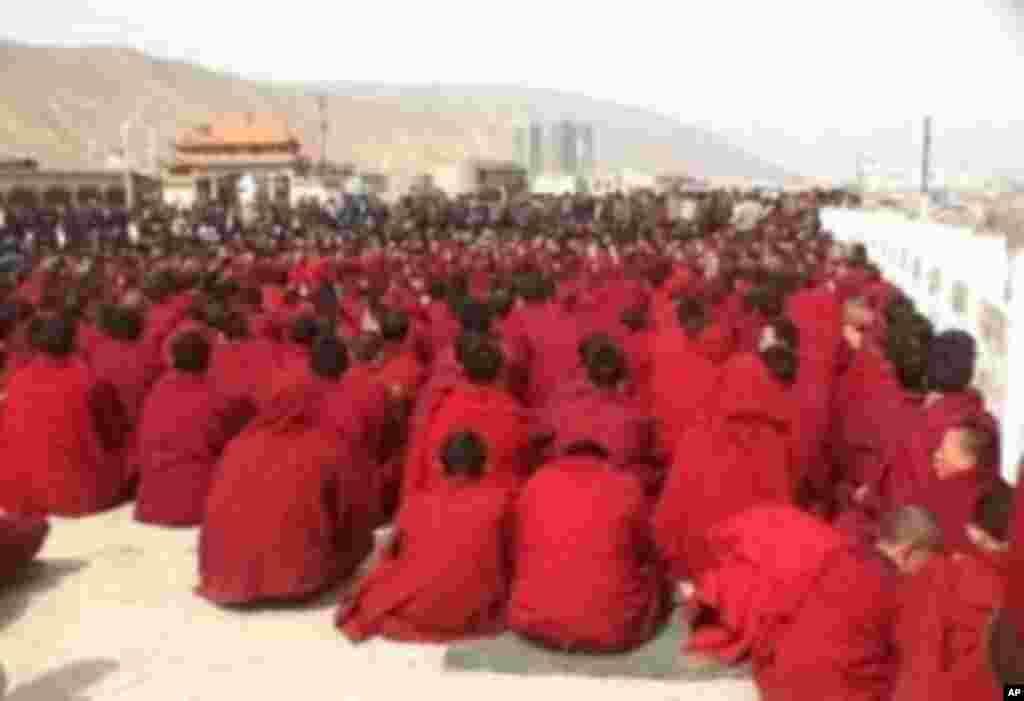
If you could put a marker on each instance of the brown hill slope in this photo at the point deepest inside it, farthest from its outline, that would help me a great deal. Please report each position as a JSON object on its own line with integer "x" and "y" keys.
{"x": 75, "y": 106}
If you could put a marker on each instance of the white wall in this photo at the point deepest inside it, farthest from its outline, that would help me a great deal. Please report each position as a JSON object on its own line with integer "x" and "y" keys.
{"x": 910, "y": 252}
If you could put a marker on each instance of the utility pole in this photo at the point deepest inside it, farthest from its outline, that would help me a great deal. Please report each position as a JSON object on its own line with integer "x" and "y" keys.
{"x": 926, "y": 156}
{"x": 324, "y": 128}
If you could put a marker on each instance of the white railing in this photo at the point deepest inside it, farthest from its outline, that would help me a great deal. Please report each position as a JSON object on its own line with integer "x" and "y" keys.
{"x": 959, "y": 280}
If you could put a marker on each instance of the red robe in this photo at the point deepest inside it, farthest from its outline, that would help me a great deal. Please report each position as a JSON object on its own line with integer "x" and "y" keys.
{"x": 447, "y": 575}
{"x": 758, "y": 579}
{"x": 743, "y": 455}
{"x": 495, "y": 415}
{"x": 552, "y": 337}
{"x": 285, "y": 517}
{"x": 941, "y": 630}
{"x": 21, "y": 539}
{"x": 57, "y": 461}
{"x": 838, "y": 643}
{"x": 684, "y": 377}
{"x": 241, "y": 369}
{"x": 184, "y": 427}
{"x": 401, "y": 372}
{"x": 587, "y": 575}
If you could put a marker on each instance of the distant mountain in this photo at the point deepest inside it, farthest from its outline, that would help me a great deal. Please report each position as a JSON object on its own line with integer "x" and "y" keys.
{"x": 75, "y": 107}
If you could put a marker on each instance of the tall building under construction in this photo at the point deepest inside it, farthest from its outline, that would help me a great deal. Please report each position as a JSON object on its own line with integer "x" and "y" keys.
{"x": 562, "y": 148}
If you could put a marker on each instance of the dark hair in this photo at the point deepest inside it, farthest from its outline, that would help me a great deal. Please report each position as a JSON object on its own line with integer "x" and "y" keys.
{"x": 190, "y": 352}
{"x": 589, "y": 343}
{"x": 474, "y": 316}
{"x": 782, "y": 362}
{"x": 367, "y": 346}
{"x": 586, "y": 447}
{"x": 1006, "y": 654}
{"x": 235, "y": 326}
{"x": 786, "y": 332}
{"x": 121, "y": 323}
{"x": 437, "y": 289}
{"x": 766, "y": 300}
{"x": 304, "y": 330}
{"x": 994, "y": 510}
{"x": 906, "y": 347}
{"x": 482, "y": 361}
{"x": 634, "y": 318}
{"x": 606, "y": 366}
{"x": 53, "y": 335}
{"x": 394, "y": 325}
{"x": 329, "y": 358}
{"x": 500, "y": 302}
{"x": 464, "y": 454}
{"x": 692, "y": 316}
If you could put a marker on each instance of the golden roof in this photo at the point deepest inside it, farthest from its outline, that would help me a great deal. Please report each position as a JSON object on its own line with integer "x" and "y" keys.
{"x": 246, "y": 129}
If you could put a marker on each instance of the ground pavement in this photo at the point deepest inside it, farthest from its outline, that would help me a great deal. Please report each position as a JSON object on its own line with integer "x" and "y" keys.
{"x": 110, "y": 614}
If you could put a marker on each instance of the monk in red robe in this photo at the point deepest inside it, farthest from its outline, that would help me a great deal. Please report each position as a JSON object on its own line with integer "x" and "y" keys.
{"x": 478, "y": 405}
{"x": 120, "y": 358}
{"x": 242, "y": 362}
{"x": 286, "y": 517}
{"x": 685, "y": 371}
{"x": 744, "y": 454}
{"x": 445, "y": 573}
{"x": 185, "y": 425}
{"x": 583, "y": 521}
{"x": 361, "y": 412}
{"x": 21, "y": 539}
{"x": 60, "y": 458}
{"x": 777, "y": 599}
{"x": 399, "y": 368}
{"x": 941, "y": 627}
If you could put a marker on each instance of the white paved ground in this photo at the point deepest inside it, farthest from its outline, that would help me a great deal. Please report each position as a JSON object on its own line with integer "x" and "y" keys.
{"x": 112, "y": 616}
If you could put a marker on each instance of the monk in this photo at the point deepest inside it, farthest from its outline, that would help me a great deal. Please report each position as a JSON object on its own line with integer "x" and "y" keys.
{"x": 960, "y": 478}
{"x": 940, "y": 629}
{"x": 59, "y": 459}
{"x": 480, "y": 405}
{"x": 445, "y": 573}
{"x": 362, "y": 413}
{"x": 742, "y": 455}
{"x": 21, "y": 539}
{"x": 184, "y": 426}
{"x": 242, "y": 362}
{"x": 601, "y": 412}
{"x": 579, "y": 519}
{"x": 399, "y": 368}
{"x": 813, "y": 614}
{"x": 286, "y": 517}
{"x": 685, "y": 370}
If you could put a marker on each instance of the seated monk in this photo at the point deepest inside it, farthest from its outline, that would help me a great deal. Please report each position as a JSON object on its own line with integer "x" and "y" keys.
{"x": 62, "y": 456}
{"x": 184, "y": 426}
{"x": 445, "y": 573}
{"x": 581, "y": 520}
{"x": 21, "y": 539}
{"x": 293, "y": 356}
{"x": 479, "y": 405}
{"x": 361, "y": 412}
{"x": 812, "y": 613}
{"x": 286, "y": 516}
{"x": 120, "y": 358}
{"x": 242, "y": 362}
{"x": 685, "y": 370}
{"x": 744, "y": 454}
{"x": 607, "y": 415}
{"x": 941, "y": 627}
{"x": 399, "y": 369}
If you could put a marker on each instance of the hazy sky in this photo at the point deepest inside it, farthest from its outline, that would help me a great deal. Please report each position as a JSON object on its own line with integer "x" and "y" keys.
{"x": 794, "y": 70}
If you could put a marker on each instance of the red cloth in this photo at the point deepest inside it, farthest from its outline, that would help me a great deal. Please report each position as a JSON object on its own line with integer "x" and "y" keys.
{"x": 941, "y": 630}
{"x": 490, "y": 412}
{"x": 684, "y": 377}
{"x": 838, "y": 644}
{"x": 757, "y": 578}
{"x": 401, "y": 372}
{"x": 285, "y": 517}
{"x": 446, "y": 576}
{"x": 552, "y": 337}
{"x": 185, "y": 424}
{"x": 56, "y": 460}
{"x": 241, "y": 369}
{"x": 743, "y": 455}
{"x": 587, "y": 575}
{"x": 21, "y": 539}
{"x": 1014, "y": 604}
